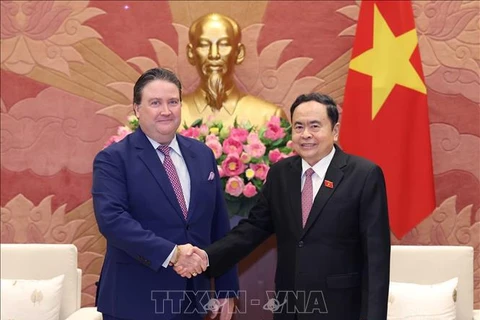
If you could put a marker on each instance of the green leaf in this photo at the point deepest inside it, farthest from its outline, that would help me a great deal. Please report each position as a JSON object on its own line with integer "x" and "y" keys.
{"x": 248, "y": 125}
{"x": 256, "y": 160}
{"x": 258, "y": 183}
{"x": 277, "y": 143}
{"x": 196, "y": 123}
{"x": 284, "y": 123}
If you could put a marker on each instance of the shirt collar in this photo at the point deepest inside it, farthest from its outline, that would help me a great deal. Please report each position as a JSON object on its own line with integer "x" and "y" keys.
{"x": 173, "y": 144}
{"x": 321, "y": 166}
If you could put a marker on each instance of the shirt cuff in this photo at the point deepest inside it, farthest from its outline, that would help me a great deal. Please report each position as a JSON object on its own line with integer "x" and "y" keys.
{"x": 167, "y": 261}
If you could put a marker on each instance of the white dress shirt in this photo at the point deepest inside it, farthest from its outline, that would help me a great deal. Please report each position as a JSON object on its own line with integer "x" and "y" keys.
{"x": 320, "y": 169}
{"x": 182, "y": 172}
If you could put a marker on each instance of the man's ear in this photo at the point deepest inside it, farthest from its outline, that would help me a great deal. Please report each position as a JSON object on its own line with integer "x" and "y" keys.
{"x": 336, "y": 131}
{"x": 240, "y": 53}
{"x": 135, "y": 110}
{"x": 190, "y": 55}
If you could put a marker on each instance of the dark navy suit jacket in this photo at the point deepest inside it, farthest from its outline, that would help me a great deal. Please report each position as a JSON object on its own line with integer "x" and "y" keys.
{"x": 138, "y": 213}
{"x": 337, "y": 267}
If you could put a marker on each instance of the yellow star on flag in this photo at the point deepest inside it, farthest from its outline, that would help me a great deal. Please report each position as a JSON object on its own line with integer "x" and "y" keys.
{"x": 388, "y": 62}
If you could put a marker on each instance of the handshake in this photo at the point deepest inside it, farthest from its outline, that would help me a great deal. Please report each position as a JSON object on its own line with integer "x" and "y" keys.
{"x": 189, "y": 261}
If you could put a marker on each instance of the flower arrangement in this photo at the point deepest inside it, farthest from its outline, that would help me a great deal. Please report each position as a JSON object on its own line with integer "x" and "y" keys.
{"x": 243, "y": 152}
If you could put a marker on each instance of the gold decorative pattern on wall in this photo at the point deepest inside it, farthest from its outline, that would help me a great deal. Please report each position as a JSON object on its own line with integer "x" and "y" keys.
{"x": 454, "y": 151}
{"x": 66, "y": 134}
{"x": 261, "y": 75}
{"x": 120, "y": 112}
{"x": 449, "y": 39}
{"x": 23, "y": 222}
{"x": 47, "y": 42}
{"x": 245, "y": 12}
{"x": 334, "y": 77}
{"x": 41, "y": 33}
{"x": 89, "y": 79}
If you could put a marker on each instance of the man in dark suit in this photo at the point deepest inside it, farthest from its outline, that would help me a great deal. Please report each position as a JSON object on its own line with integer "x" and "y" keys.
{"x": 328, "y": 210}
{"x": 154, "y": 192}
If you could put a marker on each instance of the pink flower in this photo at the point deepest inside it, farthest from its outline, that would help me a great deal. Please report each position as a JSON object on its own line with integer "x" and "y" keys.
{"x": 253, "y": 137}
{"x": 232, "y": 166}
{"x": 261, "y": 170}
{"x": 123, "y": 131}
{"x": 192, "y": 132}
{"x": 203, "y": 130}
{"x": 274, "y": 121}
{"x": 274, "y": 130}
{"x": 118, "y": 138}
{"x": 220, "y": 171}
{"x": 231, "y": 145}
{"x": 249, "y": 190}
{"x": 234, "y": 186}
{"x": 216, "y": 147}
{"x": 255, "y": 149}
{"x": 211, "y": 137}
{"x": 245, "y": 157}
{"x": 275, "y": 155}
{"x": 239, "y": 134}
{"x": 109, "y": 141}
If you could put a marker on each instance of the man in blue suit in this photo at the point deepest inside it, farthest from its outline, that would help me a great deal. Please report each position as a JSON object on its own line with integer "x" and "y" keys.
{"x": 153, "y": 193}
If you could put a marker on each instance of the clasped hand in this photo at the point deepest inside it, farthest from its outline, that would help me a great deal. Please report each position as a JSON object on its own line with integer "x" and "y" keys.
{"x": 189, "y": 261}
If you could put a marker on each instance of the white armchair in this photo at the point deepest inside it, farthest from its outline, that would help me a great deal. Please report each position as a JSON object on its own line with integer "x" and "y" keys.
{"x": 45, "y": 261}
{"x": 434, "y": 264}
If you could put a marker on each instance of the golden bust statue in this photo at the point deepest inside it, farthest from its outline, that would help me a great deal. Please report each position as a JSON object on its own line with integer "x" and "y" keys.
{"x": 215, "y": 49}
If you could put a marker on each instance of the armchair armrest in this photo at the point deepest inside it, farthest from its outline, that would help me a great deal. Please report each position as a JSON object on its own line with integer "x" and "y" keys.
{"x": 86, "y": 314}
{"x": 476, "y": 314}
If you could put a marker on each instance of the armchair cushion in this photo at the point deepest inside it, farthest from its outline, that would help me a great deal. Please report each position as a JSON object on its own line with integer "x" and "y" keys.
{"x": 423, "y": 302}
{"x": 90, "y": 313}
{"x": 31, "y": 299}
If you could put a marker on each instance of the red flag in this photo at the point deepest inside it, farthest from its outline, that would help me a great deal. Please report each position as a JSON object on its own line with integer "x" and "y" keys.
{"x": 385, "y": 113}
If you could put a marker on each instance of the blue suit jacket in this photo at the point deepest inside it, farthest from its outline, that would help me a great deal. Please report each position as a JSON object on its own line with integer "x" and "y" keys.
{"x": 138, "y": 213}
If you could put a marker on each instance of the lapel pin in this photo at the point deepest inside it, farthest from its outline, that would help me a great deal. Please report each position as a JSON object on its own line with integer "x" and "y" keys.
{"x": 328, "y": 184}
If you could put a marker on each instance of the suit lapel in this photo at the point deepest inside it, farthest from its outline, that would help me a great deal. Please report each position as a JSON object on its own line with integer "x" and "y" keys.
{"x": 335, "y": 175}
{"x": 150, "y": 158}
{"x": 294, "y": 192}
{"x": 195, "y": 176}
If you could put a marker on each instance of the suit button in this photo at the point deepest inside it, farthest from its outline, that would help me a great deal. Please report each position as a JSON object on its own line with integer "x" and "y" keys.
{"x": 187, "y": 227}
{"x": 300, "y": 244}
